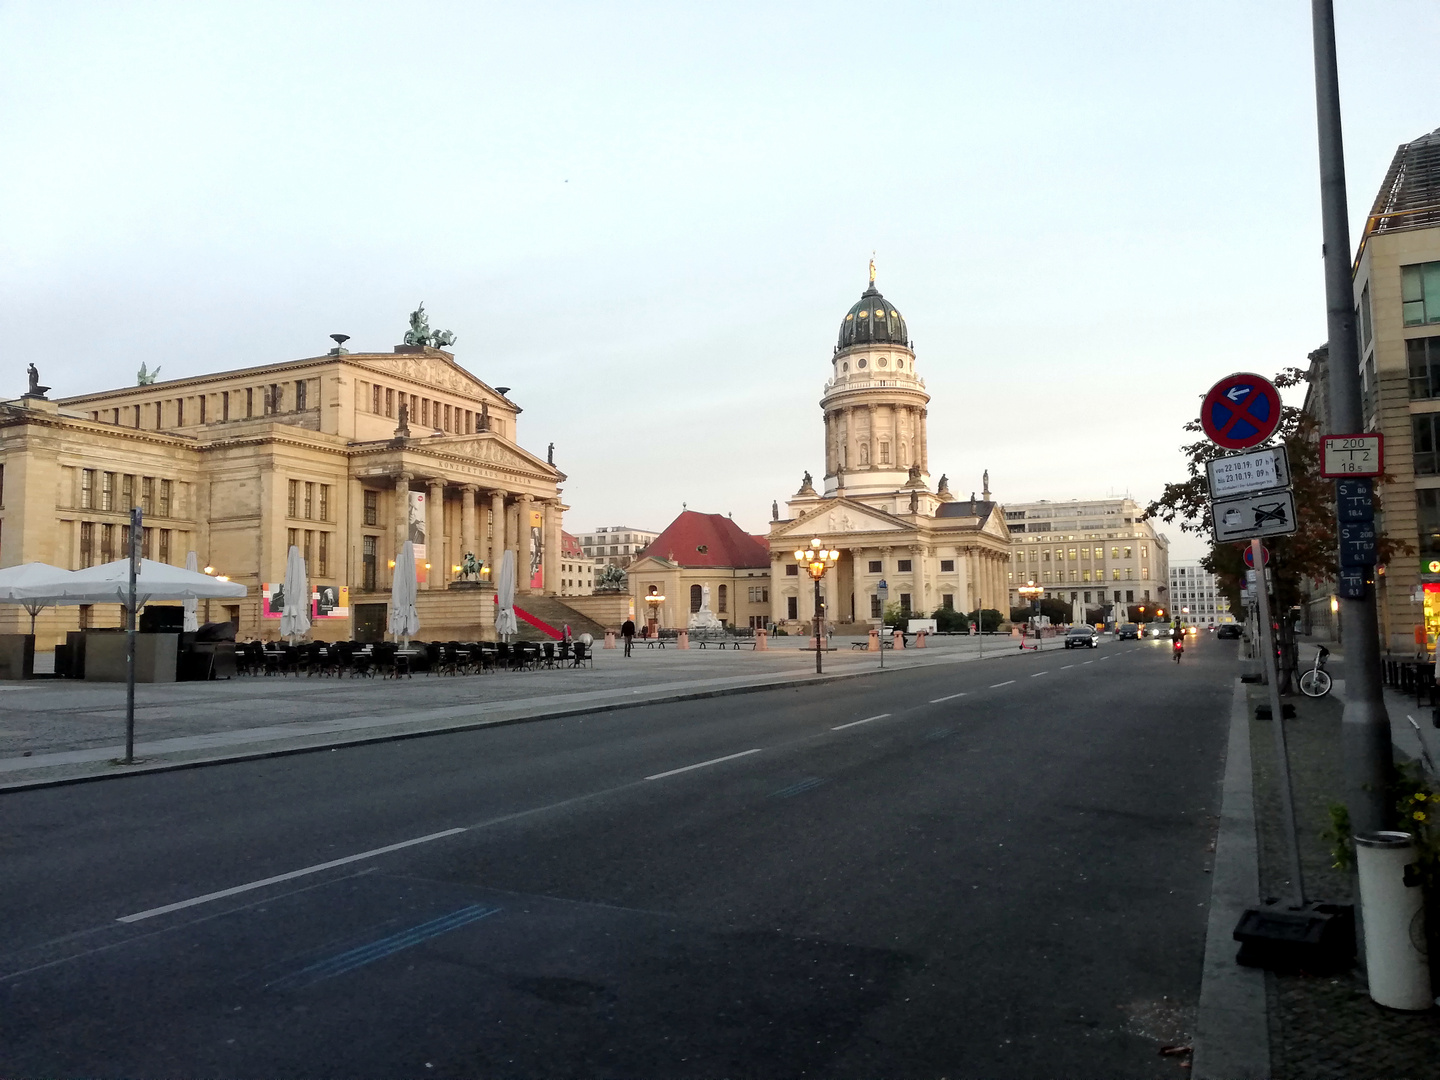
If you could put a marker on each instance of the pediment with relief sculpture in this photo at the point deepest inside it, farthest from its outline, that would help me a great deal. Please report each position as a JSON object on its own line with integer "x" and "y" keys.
{"x": 430, "y": 370}
{"x": 842, "y": 516}
{"x": 490, "y": 449}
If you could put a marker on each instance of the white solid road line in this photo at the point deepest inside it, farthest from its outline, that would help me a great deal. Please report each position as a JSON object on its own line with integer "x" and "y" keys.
{"x": 996, "y": 685}
{"x": 948, "y": 697}
{"x": 702, "y": 764}
{"x": 193, "y": 901}
{"x": 852, "y": 723}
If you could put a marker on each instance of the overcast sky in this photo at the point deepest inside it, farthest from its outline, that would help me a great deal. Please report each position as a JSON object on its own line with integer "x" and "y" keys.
{"x": 649, "y": 219}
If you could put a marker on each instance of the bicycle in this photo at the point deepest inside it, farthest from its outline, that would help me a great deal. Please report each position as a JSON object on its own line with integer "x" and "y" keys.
{"x": 1178, "y": 649}
{"x": 1316, "y": 681}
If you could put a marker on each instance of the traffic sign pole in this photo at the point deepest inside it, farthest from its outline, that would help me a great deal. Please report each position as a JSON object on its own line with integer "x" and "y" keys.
{"x": 1365, "y": 726}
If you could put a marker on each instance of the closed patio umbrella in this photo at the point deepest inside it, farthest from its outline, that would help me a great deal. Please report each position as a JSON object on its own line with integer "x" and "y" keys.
{"x": 404, "y": 619}
{"x": 192, "y": 562}
{"x": 295, "y": 615}
{"x": 34, "y": 586}
{"x": 505, "y": 623}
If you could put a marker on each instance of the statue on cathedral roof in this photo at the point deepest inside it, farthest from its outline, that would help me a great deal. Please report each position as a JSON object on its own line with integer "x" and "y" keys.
{"x": 145, "y": 378}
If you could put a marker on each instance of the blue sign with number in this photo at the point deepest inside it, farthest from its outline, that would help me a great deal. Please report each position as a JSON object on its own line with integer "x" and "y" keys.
{"x": 1350, "y": 582}
{"x": 1354, "y": 499}
{"x": 1357, "y": 544}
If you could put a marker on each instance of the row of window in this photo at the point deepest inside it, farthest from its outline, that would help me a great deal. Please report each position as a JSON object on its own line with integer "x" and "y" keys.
{"x": 1116, "y": 574}
{"x": 242, "y": 403}
{"x": 102, "y": 543}
{"x": 1060, "y": 554}
{"x": 119, "y": 491}
{"x": 311, "y": 501}
{"x": 386, "y": 400}
{"x": 315, "y": 548}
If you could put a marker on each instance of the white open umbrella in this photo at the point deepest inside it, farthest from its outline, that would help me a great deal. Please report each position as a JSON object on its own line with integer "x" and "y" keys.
{"x": 192, "y": 622}
{"x": 109, "y": 583}
{"x": 404, "y": 619}
{"x": 34, "y": 586}
{"x": 295, "y": 615}
{"x": 505, "y": 623}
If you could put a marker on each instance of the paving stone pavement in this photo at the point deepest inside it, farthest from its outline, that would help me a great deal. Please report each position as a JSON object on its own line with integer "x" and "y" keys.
{"x": 1324, "y": 1028}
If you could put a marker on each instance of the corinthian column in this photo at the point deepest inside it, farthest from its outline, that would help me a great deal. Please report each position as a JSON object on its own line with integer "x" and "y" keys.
{"x": 496, "y": 547}
{"x": 435, "y": 536}
{"x": 400, "y": 514}
{"x": 550, "y": 554}
{"x": 467, "y": 521}
{"x": 523, "y": 555}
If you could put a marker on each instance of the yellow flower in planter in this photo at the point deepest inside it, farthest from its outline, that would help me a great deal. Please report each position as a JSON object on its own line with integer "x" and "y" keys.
{"x": 1420, "y": 796}
{"x": 1419, "y": 815}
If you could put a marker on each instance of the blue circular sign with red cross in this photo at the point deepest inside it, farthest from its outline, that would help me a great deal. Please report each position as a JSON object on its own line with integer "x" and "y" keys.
{"x": 1241, "y": 411}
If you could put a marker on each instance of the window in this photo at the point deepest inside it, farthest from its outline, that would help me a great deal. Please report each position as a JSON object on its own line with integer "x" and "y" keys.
{"x": 1115, "y": 574}
{"x": 1420, "y": 293}
{"x": 137, "y": 416}
{"x": 147, "y": 543}
{"x": 791, "y": 570}
{"x": 86, "y": 613}
{"x": 1114, "y": 553}
{"x": 308, "y": 551}
{"x": 874, "y": 566}
{"x": 180, "y": 412}
{"x": 1072, "y": 554}
{"x": 720, "y": 607}
{"x": 292, "y": 538}
{"x": 904, "y": 603}
{"x": 324, "y": 502}
{"x": 277, "y": 398}
{"x": 875, "y": 612}
{"x": 792, "y": 607}
{"x": 947, "y": 601}
{"x": 249, "y": 402}
{"x": 1423, "y": 431}
{"x": 127, "y": 492}
{"x": 309, "y": 501}
{"x": 904, "y": 566}
{"x": 1144, "y": 551}
{"x": 107, "y": 543}
{"x": 302, "y": 387}
{"x": 1423, "y": 358}
{"x": 204, "y": 402}
{"x": 1362, "y": 322}
{"x": 165, "y": 545}
{"x": 107, "y": 491}
{"x": 449, "y": 424}
{"x": 1129, "y": 596}
{"x": 87, "y": 490}
{"x": 293, "y": 502}
{"x": 425, "y": 412}
{"x": 372, "y": 508}
{"x": 947, "y": 566}
{"x": 884, "y": 453}
{"x": 367, "y": 563}
{"x": 375, "y": 400}
{"x": 87, "y": 544}
{"x": 225, "y": 405}
{"x": 1085, "y": 574}
{"x": 322, "y": 560}
{"x": 695, "y": 594}
{"x": 1127, "y": 552}
{"x": 389, "y": 402}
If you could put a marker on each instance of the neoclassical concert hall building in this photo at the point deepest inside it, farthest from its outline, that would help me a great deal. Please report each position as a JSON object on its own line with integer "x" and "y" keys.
{"x": 345, "y": 455}
{"x": 878, "y": 507}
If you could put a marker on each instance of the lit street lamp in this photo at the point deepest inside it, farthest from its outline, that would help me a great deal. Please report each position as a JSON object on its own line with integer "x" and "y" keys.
{"x": 654, "y": 600}
{"x": 1033, "y": 593}
{"x": 817, "y": 560}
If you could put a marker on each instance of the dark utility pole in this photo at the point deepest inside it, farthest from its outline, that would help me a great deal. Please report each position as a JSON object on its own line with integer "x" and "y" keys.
{"x": 1365, "y": 727}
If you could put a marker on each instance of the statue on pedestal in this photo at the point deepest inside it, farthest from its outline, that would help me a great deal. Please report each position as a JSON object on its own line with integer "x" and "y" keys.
{"x": 35, "y": 389}
{"x": 705, "y": 619}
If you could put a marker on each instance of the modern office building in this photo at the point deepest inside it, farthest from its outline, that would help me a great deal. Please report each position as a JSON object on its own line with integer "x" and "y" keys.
{"x": 1092, "y": 551}
{"x": 1194, "y": 599}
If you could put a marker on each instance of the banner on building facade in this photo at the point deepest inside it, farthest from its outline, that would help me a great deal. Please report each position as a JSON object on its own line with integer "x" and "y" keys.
{"x": 415, "y": 531}
{"x": 537, "y": 548}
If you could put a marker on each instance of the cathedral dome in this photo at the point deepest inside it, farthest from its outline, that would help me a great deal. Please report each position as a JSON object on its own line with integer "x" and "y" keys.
{"x": 873, "y": 320}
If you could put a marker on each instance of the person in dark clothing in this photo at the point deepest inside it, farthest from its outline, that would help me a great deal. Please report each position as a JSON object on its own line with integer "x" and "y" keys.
{"x": 627, "y": 631}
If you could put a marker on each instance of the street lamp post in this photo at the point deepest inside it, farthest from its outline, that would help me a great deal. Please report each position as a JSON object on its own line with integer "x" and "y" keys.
{"x": 1033, "y": 593}
{"x": 654, "y": 600}
{"x": 817, "y": 560}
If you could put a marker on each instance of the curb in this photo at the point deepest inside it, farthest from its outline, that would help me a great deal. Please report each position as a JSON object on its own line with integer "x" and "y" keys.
{"x": 1232, "y": 1034}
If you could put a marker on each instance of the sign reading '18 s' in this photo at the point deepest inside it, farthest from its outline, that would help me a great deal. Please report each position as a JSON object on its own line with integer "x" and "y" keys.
{"x": 1352, "y": 455}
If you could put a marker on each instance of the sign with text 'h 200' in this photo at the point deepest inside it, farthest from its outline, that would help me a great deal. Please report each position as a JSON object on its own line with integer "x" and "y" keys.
{"x": 1244, "y": 517}
{"x": 1259, "y": 470}
{"x": 1352, "y": 455}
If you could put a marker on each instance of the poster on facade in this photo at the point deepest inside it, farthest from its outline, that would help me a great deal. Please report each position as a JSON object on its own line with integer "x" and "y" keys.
{"x": 272, "y": 600}
{"x": 537, "y": 544}
{"x": 332, "y": 602}
{"x": 415, "y": 532}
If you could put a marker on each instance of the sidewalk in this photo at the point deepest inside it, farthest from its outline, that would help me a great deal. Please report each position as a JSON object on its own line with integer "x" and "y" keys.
{"x": 56, "y": 731}
{"x": 1319, "y": 1027}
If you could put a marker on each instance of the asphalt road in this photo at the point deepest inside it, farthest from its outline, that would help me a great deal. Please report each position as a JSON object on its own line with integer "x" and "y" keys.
{"x": 993, "y": 869}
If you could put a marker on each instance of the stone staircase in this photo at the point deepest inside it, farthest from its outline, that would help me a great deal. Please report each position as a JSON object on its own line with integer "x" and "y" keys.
{"x": 555, "y": 613}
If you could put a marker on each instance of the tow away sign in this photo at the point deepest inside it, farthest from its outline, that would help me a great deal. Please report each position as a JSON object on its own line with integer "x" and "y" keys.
{"x": 1248, "y": 516}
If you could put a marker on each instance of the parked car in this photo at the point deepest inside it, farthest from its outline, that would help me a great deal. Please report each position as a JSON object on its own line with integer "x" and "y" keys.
{"x": 1228, "y": 630}
{"x": 1078, "y": 637}
{"x": 1127, "y": 630}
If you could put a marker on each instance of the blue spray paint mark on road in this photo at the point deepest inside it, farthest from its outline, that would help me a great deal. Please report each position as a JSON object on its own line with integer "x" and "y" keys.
{"x": 797, "y": 788}
{"x": 386, "y": 946}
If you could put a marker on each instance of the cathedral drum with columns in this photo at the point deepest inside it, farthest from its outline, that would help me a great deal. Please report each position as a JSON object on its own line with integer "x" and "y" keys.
{"x": 878, "y": 508}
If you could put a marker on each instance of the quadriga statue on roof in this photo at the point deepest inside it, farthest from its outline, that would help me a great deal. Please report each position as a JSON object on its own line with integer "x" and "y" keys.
{"x": 421, "y": 334}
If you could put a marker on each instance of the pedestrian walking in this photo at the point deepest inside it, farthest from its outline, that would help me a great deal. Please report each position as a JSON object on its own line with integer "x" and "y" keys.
{"x": 627, "y": 631}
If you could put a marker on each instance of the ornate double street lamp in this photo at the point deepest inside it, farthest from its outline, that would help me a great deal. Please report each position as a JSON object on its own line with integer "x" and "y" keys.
{"x": 1033, "y": 593}
{"x": 817, "y": 560}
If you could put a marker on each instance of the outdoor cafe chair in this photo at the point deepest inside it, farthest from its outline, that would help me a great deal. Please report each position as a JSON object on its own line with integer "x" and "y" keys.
{"x": 549, "y": 658}
{"x": 583, "y": 657}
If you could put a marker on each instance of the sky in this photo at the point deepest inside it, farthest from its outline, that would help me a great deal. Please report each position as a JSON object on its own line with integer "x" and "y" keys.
{"x": 648, "y": 219}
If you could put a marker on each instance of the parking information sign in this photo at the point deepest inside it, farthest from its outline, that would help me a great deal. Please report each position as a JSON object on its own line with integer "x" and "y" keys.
{"x": 1244, "y": 517}
{"x": 1352, "y": 455}
{"x": 1259, "y": 470}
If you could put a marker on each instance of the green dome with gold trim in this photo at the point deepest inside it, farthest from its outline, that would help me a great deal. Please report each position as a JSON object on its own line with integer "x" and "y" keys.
{"x": 873, "y": 320}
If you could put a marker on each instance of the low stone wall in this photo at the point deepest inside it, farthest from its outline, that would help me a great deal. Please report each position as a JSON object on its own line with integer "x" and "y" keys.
{"x": 607, "y": 609}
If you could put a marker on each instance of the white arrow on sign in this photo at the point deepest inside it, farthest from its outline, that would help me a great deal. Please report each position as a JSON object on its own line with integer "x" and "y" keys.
{"x": 1235, "y": 393}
